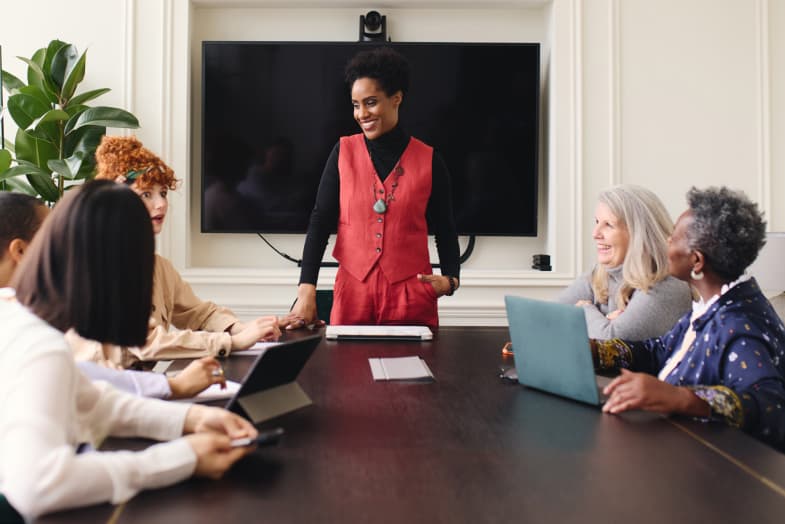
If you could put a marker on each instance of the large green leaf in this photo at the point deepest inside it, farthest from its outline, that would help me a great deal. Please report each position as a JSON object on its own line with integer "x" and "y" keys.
{"x": 10, "y": 82}
{"x": 53, "y": 115}
{"x": 84, "y": 139}
{"x": 45, "y": 187}
{"x": 107, "y": 117}
{"x": 75, "y": 109}
{"x": 20, "y": 186}
{"x": 24, "y": 109}
{"x": 87, "y": 96}
{"x": 46, "y": 127}
{"x": 35, "y": 92}
{"x": 74, "y": 74}
{"x": 36, "y": 76}
{"x": 31, "y": 149}
{"x": 58, "y": 56}
{"x": 5, "y": 159}
{"x": 25, "y": 168}
{"x": 52, "y": 50}
{"x": 75, "y": 112}
{"x": 68, "y": 167}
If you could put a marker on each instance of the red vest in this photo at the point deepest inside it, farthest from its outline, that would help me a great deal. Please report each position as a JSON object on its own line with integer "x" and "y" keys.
{"x": 396, "y": 239}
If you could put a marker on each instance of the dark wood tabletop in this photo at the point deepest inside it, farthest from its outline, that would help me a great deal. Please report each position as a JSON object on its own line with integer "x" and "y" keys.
{"x": 468, "y": 447}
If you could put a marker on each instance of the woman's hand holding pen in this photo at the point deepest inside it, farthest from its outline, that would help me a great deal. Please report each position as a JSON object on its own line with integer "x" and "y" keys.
{"x": 303, "y": 312}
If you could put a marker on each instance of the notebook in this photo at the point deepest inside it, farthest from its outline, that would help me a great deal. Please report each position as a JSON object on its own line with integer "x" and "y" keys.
{"x": 269, "y": 388}
{"x": 378, "y": 332}
{"x": 551, "y": 347}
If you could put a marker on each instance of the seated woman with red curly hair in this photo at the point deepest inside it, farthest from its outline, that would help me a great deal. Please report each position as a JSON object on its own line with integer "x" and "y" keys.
{"x": 203, "y": 328}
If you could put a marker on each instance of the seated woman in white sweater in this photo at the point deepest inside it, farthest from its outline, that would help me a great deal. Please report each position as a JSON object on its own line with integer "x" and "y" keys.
{"x": 69, "y": 280}
{"x": 20, "y": 217}
{"x": 630, "y": 293}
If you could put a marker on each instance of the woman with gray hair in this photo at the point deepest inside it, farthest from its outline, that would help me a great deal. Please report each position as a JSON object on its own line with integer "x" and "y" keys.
{"x": 629, "y": 293}
{"x": 725, "y": 360}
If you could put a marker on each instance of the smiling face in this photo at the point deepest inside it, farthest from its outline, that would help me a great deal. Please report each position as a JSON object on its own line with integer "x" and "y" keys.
{"x": 611, "y": 237}
{"x": 155, "y": 198}
{"x": 374, "y": 111}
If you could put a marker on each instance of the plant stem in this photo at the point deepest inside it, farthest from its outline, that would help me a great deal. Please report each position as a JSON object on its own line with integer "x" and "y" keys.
{"x": 60, "y": 181}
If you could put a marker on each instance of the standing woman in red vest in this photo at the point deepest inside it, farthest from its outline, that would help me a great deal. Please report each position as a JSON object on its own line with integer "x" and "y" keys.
{"x": 384, "y": 189}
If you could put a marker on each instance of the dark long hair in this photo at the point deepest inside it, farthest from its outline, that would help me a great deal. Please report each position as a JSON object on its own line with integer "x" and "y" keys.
{"x": 91, "y": 266}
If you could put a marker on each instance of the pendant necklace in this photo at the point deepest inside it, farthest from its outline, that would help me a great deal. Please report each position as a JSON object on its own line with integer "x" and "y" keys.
{"x": 381, "y": 204}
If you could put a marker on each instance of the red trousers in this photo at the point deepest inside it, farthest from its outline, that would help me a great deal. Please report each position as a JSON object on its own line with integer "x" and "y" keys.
{"x": 376, "y": 301}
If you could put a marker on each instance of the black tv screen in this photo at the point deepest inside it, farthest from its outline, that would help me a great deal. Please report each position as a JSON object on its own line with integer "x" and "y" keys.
{"x": 273, "y": 111}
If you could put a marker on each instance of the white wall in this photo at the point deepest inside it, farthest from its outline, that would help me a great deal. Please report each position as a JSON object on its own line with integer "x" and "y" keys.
{"x": 666, "y": 94}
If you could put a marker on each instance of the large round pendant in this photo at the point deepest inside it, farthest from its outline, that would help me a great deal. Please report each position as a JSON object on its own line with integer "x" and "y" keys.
{"x": 380, "y": 207}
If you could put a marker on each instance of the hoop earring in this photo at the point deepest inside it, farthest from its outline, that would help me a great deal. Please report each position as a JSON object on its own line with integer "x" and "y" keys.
{"x": 696, "y": 276}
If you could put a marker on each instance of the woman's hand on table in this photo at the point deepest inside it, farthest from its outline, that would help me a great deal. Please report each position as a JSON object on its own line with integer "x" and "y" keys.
{"x": 262, "y": 329}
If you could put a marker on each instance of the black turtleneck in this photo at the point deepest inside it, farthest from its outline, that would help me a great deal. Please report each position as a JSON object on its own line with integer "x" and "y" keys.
{"x": 385, "y": 152}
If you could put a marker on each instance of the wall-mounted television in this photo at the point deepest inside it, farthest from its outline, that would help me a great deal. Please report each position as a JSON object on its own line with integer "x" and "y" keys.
{"x": 273, "y": 111}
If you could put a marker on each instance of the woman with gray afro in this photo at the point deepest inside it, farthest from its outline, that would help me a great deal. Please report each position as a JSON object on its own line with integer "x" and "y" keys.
{"x": 726, "y": 359}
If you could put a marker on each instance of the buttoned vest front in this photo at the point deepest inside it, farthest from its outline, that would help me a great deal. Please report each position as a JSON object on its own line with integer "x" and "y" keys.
{"x": 398, "y": 239}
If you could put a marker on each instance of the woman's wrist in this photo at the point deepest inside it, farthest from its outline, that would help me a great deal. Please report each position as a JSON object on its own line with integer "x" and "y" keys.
{"x": 306, "y": 290}
{"x": 453, "y": 283}
{"x": 692, "y": 404}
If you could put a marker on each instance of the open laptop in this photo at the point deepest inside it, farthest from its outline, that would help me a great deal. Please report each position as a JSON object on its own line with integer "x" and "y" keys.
{"x": 551, "y": 347}
{"x": 269, "y": 388}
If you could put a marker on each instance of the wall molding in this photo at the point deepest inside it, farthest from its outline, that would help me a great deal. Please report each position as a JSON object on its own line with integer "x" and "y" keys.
{"x": 764, "y": 197}
{"x": 129, "y": 54}
{"x": 614, "y": 119}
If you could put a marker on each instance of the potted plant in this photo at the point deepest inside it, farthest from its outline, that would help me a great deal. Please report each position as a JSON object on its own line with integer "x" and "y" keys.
{"x": 58, "y": 132}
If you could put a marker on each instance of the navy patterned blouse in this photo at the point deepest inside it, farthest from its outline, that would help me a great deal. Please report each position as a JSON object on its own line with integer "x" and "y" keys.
{"x": 736, "y": 362}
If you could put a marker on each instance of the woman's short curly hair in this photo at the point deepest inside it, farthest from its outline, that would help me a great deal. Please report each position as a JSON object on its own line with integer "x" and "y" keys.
{"x": 120, "y": 155}
{"x": 727, "y": 228}
{"x": 384, "y": 64}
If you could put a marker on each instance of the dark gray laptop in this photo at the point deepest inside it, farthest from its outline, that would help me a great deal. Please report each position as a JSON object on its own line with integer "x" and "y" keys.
{"x": 551, "y": 347}
{"x": 269, "y": 388}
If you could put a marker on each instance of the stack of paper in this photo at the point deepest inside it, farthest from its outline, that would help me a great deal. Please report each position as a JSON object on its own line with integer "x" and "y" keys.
{"x": 400, "y": 368}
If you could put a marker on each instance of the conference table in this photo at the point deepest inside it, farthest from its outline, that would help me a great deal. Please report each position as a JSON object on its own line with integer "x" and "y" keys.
{"x": 466, "y": 447}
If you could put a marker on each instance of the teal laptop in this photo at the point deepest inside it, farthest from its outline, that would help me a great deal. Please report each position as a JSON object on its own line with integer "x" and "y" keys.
{"x": 551, "y": 347}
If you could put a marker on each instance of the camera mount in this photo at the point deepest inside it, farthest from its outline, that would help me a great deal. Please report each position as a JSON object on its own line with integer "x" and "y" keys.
{"x": 373, "y": 27}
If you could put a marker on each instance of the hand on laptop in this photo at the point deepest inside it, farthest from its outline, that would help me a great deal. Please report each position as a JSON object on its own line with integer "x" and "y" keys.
{"x": 646, "y": 392}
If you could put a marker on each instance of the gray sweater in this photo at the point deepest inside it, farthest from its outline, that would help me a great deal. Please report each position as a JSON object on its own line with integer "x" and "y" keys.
{"x": 647, "y": 315}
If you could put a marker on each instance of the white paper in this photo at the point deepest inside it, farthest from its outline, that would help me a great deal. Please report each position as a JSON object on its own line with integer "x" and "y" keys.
{"x": 214, "y": 392}
{"x": 256, "y": 349}
{"x": 399, "y": 368}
